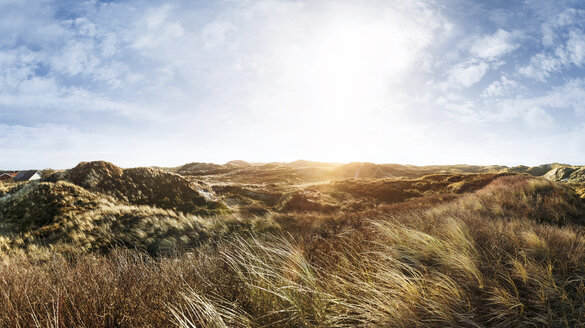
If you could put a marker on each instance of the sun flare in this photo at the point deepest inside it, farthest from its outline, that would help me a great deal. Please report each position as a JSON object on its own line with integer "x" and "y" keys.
{"x": 331, "y": 85}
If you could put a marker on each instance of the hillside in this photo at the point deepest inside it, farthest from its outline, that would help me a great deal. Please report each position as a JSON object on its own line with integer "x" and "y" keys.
{"x": 300, "y": 244}
{"x": 306, "y": 171}
{"x": 98, "y": 205}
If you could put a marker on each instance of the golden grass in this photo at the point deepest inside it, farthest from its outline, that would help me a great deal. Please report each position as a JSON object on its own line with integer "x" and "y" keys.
{"x": 510, "y": 254}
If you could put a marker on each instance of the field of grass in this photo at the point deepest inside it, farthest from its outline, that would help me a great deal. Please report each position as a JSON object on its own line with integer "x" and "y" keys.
{"x": 99, "y": 246}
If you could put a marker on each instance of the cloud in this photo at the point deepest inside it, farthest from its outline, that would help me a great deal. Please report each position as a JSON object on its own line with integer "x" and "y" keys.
{"x": 513, "y": 97}
{"x": 538, "y": 118}
{"x": 460, "y": 108}
{"x": 563, "y": 39}
{"x": 502, "y": 87}
{"x": 214, "y": 33}
{"x": 505, "y": 101}
{"x": 255, "y": 68}
{"x": 309, "y": 62}
{"x": 553, "y": 28}
{"x": 157, "y": 28}
{"x": 485, "y": 52}
{"x": 541, "y": 65}
{"x": 490, "y": 47}
{"x": 75, "y": 64}
{"x": 467, "y": 74}
{"x": 216, "y": 77}
{"x": 541, "y": 110}
{"x": 576, "y": 48}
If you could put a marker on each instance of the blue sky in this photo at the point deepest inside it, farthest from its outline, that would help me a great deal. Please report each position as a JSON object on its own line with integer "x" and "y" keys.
{"x": 144, "y": 83}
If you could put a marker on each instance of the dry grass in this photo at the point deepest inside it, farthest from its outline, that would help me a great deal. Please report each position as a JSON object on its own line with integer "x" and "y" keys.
{"x": 509, "y": 254}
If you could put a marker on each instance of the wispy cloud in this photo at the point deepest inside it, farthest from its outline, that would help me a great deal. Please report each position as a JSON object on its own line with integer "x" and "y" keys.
{"x": 275, "y": 79}
{"x": 491, "y": 47}
{"x": 467, "y": 74}
{"x": 563, "y": 39}
{"x": 502, "y": 87}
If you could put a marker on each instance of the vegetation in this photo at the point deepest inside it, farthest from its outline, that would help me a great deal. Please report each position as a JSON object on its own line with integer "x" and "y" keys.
{"x": 98, "y": 246}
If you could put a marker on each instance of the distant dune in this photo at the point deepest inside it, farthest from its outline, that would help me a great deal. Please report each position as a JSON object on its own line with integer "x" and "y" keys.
{"x": 316, "y": 171}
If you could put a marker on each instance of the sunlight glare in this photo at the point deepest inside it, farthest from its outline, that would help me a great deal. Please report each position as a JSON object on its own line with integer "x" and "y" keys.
{"x": 338, "y": 83}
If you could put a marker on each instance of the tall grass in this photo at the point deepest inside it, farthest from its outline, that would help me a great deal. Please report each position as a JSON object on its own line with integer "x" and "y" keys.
{"x": 468, "y": 263}
{"x": 509, "y": 255}
{"x": 400, "y": 278}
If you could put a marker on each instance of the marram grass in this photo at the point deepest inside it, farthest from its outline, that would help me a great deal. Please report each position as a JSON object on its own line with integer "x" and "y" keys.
{"x": 511, "y": 254}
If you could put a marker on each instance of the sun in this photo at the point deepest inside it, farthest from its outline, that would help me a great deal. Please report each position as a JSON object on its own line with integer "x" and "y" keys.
{"x": 336, "y": 85}
{"x": 330, "y": 83}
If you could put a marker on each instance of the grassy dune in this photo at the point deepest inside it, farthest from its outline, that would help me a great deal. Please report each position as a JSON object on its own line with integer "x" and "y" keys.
{"x": 463, "y": 250}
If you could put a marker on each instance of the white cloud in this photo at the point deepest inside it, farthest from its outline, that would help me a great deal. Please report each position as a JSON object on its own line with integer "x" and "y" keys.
{"x": 538, "y": 118}
{"x": 541, "y": 110}
{"x": 76, "y": 58}
{"x": 225, "y": 75}
{"x": 157, "y": 28}
{"x": 502, "y": 87}
{"x": 542, "y": 65}
{"x": 257, "y": 69}
{"x": 576, "y": 47}
{"x": 553, "y": 28}
{"x": 535, "y": 110}
{"x": 467, "y": 74}
{"x": 460, "y": 109}
{"x": 564, "y": 43}
{"x": 570, "y": 95}
{"x": 491, "y": 47}
{"x": 305, "y": 63}
{"x": 214, "y": 33}
{"x": 486, "y": 52}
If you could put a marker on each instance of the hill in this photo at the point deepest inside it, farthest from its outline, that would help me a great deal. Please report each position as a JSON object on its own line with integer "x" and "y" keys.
{"x": 300, "y": 244}
{"x": 306, "y": 171}
{"x": 97, "y": 205}
{"x": 138, "y": 186}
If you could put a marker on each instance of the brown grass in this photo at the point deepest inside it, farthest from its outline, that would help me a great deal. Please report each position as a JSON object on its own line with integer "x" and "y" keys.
{"x": 509, "y": 254}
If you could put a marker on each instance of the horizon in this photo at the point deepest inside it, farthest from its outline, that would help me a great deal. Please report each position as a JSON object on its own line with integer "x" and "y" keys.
{"x": 140, "y": 83}
{"x": 2, "y": 169}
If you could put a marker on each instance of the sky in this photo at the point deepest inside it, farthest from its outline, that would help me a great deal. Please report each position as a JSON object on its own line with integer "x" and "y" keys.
{"x": 143, "y": 83}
